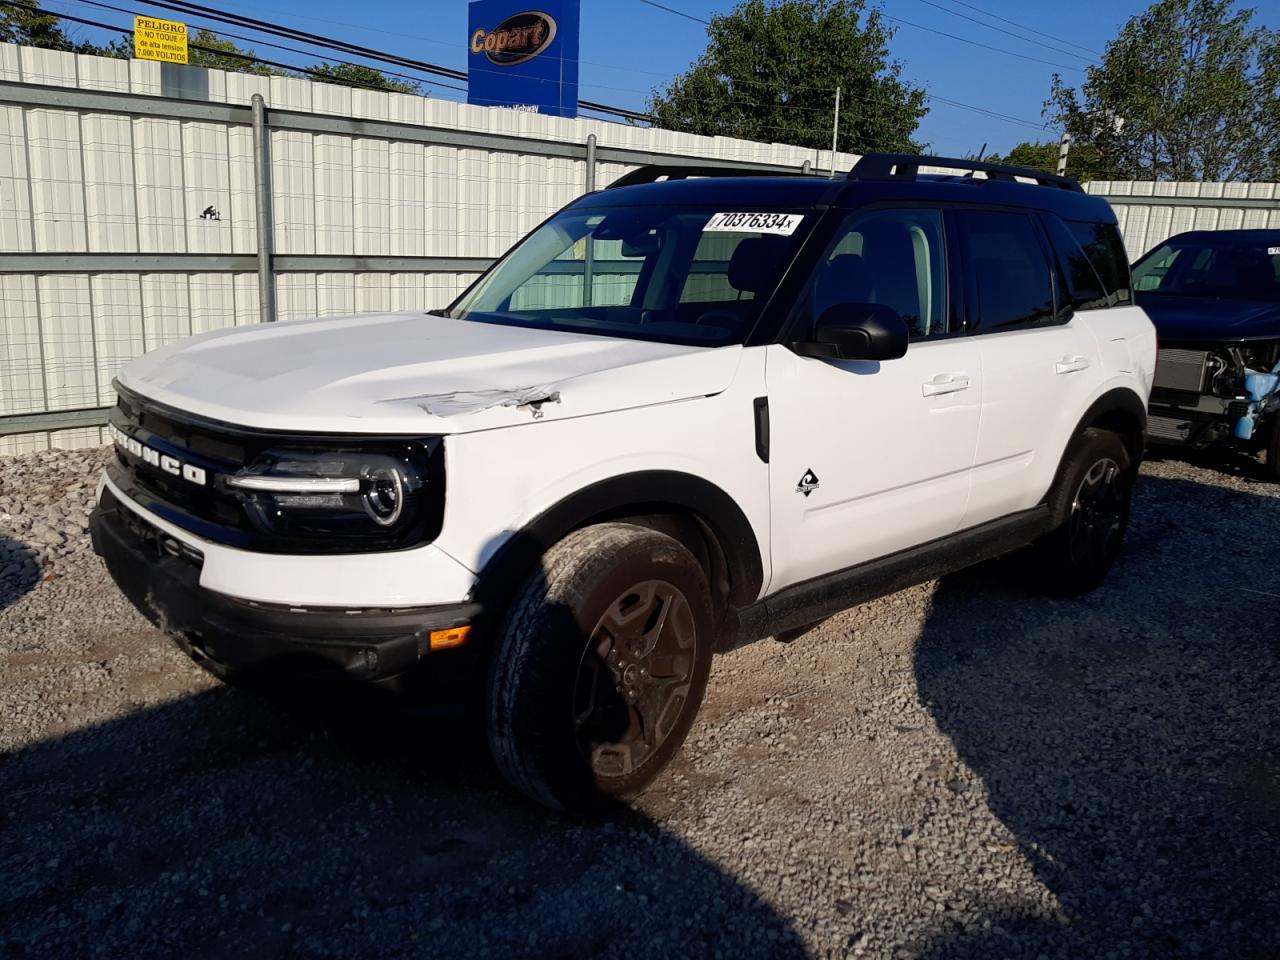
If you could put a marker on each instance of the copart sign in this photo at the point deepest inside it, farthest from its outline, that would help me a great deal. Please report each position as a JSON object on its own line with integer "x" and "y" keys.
{"x": 524, "y": 57}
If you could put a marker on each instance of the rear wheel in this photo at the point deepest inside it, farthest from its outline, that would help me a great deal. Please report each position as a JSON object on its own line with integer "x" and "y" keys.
{"x": 600, "y": 666}
{"x": 1092, "y": 499}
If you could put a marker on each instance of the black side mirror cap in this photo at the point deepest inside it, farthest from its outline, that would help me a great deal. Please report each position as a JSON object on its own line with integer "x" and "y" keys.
{"x": 856, "y": 331}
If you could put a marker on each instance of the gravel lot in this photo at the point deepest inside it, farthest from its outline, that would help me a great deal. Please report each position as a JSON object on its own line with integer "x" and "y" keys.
{"x": 964, "y": 769}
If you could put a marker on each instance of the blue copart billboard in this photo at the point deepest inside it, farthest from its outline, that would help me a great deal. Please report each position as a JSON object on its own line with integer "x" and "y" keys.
{"x": 524, "y": 57}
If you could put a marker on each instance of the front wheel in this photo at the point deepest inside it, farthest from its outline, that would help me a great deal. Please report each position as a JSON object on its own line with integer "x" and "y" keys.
{"x": 600, "y": 666}
{"x": 1092, "y": 499}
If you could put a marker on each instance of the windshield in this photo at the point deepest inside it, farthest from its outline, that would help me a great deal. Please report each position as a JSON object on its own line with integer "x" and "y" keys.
{"x": 685, "y": 275}
{"x": 1225, "y": 269}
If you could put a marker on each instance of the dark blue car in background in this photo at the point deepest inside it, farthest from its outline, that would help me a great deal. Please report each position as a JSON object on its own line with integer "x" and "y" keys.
{"x": 1214, "y": 297}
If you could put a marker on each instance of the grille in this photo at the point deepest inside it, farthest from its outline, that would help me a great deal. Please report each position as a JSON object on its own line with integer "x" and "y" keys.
{"x": 1179, "y": 369}
{"x": 206, "y": 509}
{"x": 1168, "y": 428}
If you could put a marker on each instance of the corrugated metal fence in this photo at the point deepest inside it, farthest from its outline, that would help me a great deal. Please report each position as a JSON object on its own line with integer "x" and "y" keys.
{"x": 128, "y": 210}
{"x": 1151, "y": 212}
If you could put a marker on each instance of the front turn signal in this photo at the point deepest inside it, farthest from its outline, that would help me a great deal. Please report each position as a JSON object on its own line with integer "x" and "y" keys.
{"x": 451, "y": 637}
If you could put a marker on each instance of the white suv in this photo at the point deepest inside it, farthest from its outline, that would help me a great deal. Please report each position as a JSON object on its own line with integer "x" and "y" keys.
{"x": 688, "y": 411}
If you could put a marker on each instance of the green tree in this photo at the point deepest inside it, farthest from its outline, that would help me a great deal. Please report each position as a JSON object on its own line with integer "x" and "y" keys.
{"x": 770, "y": 73}
{"x": 28, "y": 26}
{"x": 1082, "y": 161}
{"x": 207, "y": 49}
{"x": 358, "y": 75}
{"x": 1189, "y": 90}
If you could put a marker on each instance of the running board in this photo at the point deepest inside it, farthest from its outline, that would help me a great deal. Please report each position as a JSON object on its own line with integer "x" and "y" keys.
{"x": 804, "y": 604}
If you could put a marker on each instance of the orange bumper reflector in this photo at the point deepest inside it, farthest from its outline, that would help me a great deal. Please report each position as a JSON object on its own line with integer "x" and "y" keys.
{"x": 452, "y": 637}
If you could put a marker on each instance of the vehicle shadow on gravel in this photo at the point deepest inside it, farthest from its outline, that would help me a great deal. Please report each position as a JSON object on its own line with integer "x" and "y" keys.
{"x": 19, "y": 570}
{"x": 335, "y": 823}
{"x": 1140, "y": 776}
{"x": 220, "y": 825}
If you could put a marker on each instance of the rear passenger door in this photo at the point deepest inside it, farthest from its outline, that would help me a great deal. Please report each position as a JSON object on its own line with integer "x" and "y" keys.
{"x": 1039, "y": 364}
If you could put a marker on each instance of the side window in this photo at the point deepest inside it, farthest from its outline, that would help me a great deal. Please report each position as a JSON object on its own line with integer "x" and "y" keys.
{"x": 1102, "y": 244}
{"x": 1085, "y": 286}
{"x": 1010, "y": 276}
{"x": 896, "y": 258}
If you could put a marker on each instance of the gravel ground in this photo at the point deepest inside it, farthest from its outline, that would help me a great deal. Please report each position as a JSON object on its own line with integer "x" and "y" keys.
{"x": 964, "y": 769}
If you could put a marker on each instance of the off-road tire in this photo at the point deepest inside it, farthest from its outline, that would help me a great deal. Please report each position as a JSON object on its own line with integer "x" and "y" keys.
{"x": 1074, "y": 557}
{"x": 545, "y": 666}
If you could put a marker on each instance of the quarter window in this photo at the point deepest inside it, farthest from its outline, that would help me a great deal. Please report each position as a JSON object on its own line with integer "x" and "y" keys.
{"x": 1010, "y": 276}
{"x": 1083, "y": 282}
{"x": 1102, "y": 244}
{"x": 895, "y": 258}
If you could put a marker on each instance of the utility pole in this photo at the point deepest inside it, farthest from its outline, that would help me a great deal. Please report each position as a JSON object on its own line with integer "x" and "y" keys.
{"x": 1064, "y": 147}
{"x": 835, "y": 132}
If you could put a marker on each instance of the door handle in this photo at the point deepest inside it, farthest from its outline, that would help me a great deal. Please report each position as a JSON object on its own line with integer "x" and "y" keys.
{"x": 1072, "y": 364}
{"x": 943, "y": 383}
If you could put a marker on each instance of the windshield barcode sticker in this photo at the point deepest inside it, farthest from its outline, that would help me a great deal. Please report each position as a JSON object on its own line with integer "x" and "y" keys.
{"x": 783, "y": 224}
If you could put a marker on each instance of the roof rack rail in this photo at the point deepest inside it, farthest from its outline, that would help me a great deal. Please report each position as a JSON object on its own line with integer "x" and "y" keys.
{"x": 659, "y": 171}
{"x": 906, "y": 166}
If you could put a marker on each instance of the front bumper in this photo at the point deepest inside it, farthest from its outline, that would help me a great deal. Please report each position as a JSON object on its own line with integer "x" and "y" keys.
{"x": 161, "y": 577}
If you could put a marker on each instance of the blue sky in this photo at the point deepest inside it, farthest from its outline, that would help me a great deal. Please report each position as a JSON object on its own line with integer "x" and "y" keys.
{"x": 629, "y": 47}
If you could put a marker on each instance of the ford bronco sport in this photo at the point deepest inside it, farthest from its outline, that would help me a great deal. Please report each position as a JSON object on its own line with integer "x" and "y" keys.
{"x": 688, "y": 411}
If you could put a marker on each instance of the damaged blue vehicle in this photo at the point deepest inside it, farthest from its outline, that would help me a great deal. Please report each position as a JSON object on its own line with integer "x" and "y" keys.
{"x": 1214, "y": 297}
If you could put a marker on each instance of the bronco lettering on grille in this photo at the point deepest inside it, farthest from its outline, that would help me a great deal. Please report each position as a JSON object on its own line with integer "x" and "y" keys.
{"x": 154, "y": 458}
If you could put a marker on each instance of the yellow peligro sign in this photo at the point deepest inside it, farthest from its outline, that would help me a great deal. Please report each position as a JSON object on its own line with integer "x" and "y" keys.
{"x": 162, "y": 40}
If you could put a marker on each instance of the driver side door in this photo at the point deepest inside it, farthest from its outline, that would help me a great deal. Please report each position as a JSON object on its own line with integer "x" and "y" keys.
{"x": 871, "y": 457}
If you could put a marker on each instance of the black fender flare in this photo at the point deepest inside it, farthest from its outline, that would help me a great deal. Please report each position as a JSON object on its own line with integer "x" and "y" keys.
{"x": 631, "y": 495}
{"x": 1121, "y": 401}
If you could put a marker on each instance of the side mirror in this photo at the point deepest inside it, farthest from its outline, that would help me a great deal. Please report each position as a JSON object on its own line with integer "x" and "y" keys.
{"x": 856, "y": 331}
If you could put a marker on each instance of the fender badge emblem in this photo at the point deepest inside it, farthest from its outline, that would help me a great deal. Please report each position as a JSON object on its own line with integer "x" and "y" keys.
{"x": 808, "y": 483}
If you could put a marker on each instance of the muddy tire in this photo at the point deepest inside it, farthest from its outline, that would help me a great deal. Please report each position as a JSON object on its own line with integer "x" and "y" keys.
{"x": 600, "y": 666}
{"x": 1092, "y": 501}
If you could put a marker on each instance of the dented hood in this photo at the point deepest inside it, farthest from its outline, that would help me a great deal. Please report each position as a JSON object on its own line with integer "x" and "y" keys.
{"x": 417, "y": 373}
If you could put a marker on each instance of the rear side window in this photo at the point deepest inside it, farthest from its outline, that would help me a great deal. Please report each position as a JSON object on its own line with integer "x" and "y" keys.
{"x": 1010, "y": 277}
{"x": 1086, "y": 289}
{"x": 1102, "y": 244}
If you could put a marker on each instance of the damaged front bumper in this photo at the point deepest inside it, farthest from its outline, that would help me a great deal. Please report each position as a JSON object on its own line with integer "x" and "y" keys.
{"x": 1204, "y": 396}
{"x": 161, "y": 575}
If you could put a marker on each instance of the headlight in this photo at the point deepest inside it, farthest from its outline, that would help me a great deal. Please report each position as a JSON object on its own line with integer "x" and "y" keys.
{"x": 370, "y": 498}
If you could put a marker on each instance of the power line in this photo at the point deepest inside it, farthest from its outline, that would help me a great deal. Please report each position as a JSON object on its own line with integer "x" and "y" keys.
{"x": 267, "y": 43}
{"x": 909, "y": 23}
{"x": 291, "y": 33}
{"x": 248, "y": 58}
{"x": 1009, "y": 33}
{"x": 1022, "y": 26}
{"x": 678, "y": 13}
{"x": 984, "y": 46}
{"x": 587, "y": 105}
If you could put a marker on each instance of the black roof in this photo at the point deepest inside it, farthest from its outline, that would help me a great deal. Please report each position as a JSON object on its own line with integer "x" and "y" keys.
{"x": 1254, "y": 235}
{"x": 749, "y": 191}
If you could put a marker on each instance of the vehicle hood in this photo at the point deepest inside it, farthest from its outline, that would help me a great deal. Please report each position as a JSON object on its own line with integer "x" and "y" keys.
{"x": 417, "y": 373}
{"x": 1203, "y": 320}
